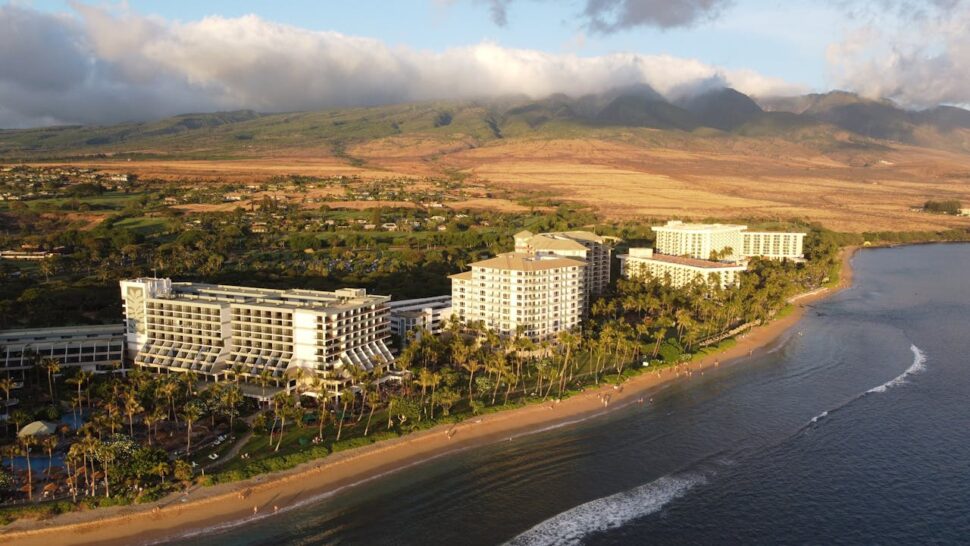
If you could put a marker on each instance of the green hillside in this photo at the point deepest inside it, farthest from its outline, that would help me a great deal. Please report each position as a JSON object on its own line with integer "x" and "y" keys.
{"x": 224, "y": 135}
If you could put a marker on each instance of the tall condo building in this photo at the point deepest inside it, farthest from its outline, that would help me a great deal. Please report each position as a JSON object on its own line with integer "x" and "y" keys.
{"x": 725, "y": 242}
{"x": 582, "y": 245}
{"x": 533, "y": 294}
{"x": 221, "y": 332}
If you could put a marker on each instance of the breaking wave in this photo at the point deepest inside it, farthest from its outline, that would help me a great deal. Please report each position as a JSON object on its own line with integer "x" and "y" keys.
{"x": 918, "y": 365}
{"x": 571, "y": 526}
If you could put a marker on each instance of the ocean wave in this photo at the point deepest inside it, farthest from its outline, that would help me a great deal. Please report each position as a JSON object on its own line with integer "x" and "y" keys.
{"x": 918, "y": 365}
{"x": 571, "y": 526}
{"x": 820, "y": 416}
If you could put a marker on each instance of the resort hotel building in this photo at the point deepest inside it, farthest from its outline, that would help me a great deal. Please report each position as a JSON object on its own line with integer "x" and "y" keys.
{"x": 679, "y": 270}
{"x": 536, "y": 295}
{"x": 408, "y": 318}
{"x": 715, "y": 253}
{"x": 98, "y": 349}
{"x": 725, "y": 242}
{"x": 255, "y": 334}
{"x": 582, "y": 245}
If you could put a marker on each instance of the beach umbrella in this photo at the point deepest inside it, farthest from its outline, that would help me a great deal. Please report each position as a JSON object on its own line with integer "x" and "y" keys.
{"x": 37, "y": 428}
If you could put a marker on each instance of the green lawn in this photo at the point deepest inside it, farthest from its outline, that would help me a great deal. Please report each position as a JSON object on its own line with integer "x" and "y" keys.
{"x": 107, "y": 200}
{"x": 144, "y": 225}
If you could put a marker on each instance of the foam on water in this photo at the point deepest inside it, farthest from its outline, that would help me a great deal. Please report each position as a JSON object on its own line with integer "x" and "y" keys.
{"x": 571, "y": 526}
{"x": 918, "y": 365}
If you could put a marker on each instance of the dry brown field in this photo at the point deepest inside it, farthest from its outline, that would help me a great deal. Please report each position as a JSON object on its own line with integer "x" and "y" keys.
{"x": 846, "y": 189}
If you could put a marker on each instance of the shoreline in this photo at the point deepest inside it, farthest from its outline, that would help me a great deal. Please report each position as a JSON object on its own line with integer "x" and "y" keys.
{"x": 231, "y": 504}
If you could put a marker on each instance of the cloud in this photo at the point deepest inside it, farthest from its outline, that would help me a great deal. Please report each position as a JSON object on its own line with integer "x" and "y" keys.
{"x": 607, "y": 16}
{"x": 920, "y": 62}
{"x": 105, "y": 66}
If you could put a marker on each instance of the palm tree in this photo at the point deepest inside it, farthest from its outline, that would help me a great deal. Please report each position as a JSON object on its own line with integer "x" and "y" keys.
{"x": 49, "y": 443}
{"x": 161, "y": 470}
{"x": 52, "y": 366}
{"x": 424, "y": 380}
{"x": 435, "y": 381}
{"x": 568, "y": 340}
{"x": 263, "y": 379}
{"x": 132, "y": 408}
{"x": 373, "y": 399}
{"x": 230, "y": 400}
{"x": 11, "y": 451}
{"x": 283, "y": 406}
{"x": 74, "y": 453}
{"x": 190, "y": 413}
{"x": 151, "y": 419}
{"x": 472, "y": 365}
{"x": 19, "y": 418}
{"x": 345, "y": 396}
{"x": 26, "y": 443}
{"x": 168, "y": 388}
{"x": 105, "y": 453}
{"x": 6, "y": 385}
{"x": 80, "y": 379}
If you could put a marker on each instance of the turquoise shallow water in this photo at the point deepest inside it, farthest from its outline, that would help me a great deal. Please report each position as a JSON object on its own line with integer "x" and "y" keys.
{"x": 855, "y": 430}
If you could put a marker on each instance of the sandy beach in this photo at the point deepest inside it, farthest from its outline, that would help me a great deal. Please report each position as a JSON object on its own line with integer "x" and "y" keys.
{"x": 231, "y": 504}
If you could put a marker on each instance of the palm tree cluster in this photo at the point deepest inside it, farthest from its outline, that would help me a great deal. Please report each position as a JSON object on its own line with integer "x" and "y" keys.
{"x": 131, "y": 431}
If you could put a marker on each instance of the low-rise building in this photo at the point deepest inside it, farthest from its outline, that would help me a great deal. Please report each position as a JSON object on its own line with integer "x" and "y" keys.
{"x": 679, "y": 271}
{"x": 529, "y": 294}
{"x": 254, "y": 334}
{"x": 409, "y": 317}
{"x": 92, "y": 348}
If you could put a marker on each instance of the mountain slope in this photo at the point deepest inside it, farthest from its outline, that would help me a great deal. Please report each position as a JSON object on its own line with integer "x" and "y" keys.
{"x": 826, "y": 121}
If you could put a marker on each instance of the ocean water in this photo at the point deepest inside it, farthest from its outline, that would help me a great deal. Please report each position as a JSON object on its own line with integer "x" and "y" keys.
{"x": 854, "y": 429}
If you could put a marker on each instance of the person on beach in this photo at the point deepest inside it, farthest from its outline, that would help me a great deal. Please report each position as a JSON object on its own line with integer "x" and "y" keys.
{"x": 255, "y": 509}
{"x": 276, "y": 508}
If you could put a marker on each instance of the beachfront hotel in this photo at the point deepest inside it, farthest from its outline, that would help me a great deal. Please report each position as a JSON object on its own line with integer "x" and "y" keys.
{"x": 222, "y": 332}
{"x": 714, "y": 253}
{"x": 726, "y": 242}
{"x": 98, "y": 349}
{"x": 581, "y": 245}
{"x": 408, "y": 318}
{"x": 680, "y": 271}
{"x": 537, "y": 295}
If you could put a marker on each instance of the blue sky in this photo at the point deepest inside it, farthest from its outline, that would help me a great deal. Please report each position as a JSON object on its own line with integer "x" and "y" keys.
{"x": 100, "y": 62}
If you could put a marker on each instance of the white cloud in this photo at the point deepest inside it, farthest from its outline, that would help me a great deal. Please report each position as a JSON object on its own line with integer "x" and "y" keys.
{"x": 919, "y": 63}
{"x": 105, "y": 66}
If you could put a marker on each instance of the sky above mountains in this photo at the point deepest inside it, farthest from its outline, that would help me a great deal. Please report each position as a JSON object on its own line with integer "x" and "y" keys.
{"x": 72, "y": 62}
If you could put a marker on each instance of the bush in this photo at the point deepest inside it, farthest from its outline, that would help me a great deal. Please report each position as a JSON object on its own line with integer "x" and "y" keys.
{"x": 670, "y": 351}
{"x": 948, "y": 206}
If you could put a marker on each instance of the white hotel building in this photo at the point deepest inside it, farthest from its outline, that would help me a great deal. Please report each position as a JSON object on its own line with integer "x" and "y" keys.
{"x": 408, "y": 317}
{"x": 537, "y": 295}
{"x": 221, "y": 332}
{"x": 582, "y": 245}
{"x": 679, "y": 270}
{"x": 677, "y": 238}
{"x": 715, "y": 253}
{"x": 98, "y": 349}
